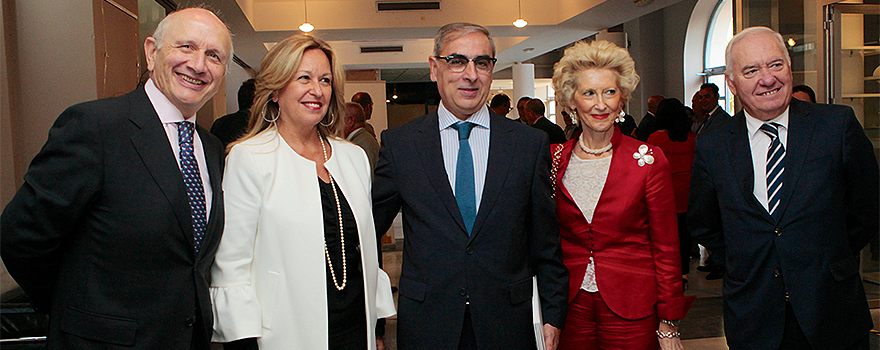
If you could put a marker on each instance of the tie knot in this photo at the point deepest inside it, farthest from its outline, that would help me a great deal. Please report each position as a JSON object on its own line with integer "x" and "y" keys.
{"x": 185, "y": 132}
{"x": 464, "y": 129}
{"x": 771, "y": 129}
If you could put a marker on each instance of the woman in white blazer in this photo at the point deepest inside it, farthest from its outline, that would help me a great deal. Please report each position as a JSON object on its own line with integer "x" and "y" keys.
{"x": 297, "y": 266}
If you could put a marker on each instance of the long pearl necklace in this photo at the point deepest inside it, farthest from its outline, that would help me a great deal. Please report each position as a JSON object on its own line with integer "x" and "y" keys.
{"x": 596, "y": 151}
{"x": 341, "y": 230}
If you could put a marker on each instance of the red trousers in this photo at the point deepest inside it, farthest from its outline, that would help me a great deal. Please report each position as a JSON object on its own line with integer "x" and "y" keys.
{"x": 590, "y": 324}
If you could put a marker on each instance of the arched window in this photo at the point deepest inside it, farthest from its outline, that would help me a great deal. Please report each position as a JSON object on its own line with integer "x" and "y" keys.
{"x": 719, "y": 33}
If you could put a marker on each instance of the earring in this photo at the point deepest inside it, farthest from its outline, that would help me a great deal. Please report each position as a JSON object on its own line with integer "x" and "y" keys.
{"x": 332, "y": 119}
{"x": 263, "y": 114}
{"x": 620, "y": 117}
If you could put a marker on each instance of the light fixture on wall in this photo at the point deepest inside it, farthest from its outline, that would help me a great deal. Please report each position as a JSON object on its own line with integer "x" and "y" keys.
{"x": 520, "y": 22}
{"x": 791, "y": 42}
{"x": 306, "y": 26}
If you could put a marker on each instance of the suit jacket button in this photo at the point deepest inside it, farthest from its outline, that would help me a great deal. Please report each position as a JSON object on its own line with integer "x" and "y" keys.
{"x": 776, "y": 273}
{"x": 778, "y": 232}
{"x": 469, "y": 250}
{"x": 190, "y": 321}
{"x": 463, "y": 292}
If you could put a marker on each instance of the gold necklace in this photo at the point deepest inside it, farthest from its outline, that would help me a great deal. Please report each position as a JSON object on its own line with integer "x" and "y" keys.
{"x": 341, "y": 230}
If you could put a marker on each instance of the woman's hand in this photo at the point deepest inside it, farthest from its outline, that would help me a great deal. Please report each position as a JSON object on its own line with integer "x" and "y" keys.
{"x": 669, "y": 343}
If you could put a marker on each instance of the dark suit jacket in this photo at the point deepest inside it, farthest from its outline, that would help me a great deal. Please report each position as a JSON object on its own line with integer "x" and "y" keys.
{"x": 231, "y": 126}
{"x": 515, "y": 236}
{"x": 553, "y": 131}
{"x": 829, "y": 212}
{"x": 714, "y": 120}
{"x": 647, "y": 126}
{"x": 100, "y": 234}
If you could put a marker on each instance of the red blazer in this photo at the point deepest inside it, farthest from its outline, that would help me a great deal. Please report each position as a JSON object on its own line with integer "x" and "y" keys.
{"x": 681, "y": 158}
{"x": 633, "y": 237}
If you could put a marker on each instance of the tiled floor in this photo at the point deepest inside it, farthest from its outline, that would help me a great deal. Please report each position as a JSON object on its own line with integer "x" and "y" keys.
{"x": 703, "y": 329}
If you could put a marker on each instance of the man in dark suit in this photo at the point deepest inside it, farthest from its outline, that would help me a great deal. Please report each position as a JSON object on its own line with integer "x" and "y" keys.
{"x": 648, "y": 125}
{"x": 707, "y": 98}
{"x": 230, "y": 127}
{"x": 535, "y": 117}
{"x": 478, "y": 218}
{"x": 791, "y": 238}
{"x": 111, "y": 233}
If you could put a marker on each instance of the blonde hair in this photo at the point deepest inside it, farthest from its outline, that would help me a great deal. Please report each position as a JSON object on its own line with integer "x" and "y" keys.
{"x": 278, "y": 69}
{"x": 599, "y": 54}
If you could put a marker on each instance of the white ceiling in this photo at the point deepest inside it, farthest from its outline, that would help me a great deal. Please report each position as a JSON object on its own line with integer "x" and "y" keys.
{"x": 350, "y": 24}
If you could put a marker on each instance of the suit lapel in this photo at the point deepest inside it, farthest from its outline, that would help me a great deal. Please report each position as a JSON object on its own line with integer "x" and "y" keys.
{"x": 152, "y": 146}
{"x": 800, "y": 135}
{"x": 740, "y": 155}
{"x": 431, "y": 156}
{"x": 215, "y": 176}
{"x": 501, "y": 151}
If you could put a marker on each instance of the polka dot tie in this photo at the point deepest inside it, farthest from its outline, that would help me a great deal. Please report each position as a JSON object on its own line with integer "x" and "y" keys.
{"x": 193, "y": 180}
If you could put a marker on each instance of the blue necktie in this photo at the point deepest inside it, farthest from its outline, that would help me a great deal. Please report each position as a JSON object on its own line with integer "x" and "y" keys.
{"x": 464, "y": 176}
{"x": 775, "y": 167}
{"x": 193, "y": 180}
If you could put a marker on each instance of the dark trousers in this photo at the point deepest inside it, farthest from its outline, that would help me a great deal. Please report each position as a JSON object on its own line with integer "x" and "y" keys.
{"x": 468, "y": 340}
{"x": 684, "y": 240}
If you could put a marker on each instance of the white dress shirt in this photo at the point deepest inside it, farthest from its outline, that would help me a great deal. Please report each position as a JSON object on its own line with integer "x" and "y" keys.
{"x": 759, "y": 142}
{"x": 479, "y": 141}
{"x": 169, "y": 115}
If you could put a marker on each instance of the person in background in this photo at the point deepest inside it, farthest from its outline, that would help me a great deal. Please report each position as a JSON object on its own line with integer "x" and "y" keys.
{"x": 621, "y": 248}
{"x": 230, "y": 127}
{"x": 500, "y": 104}
{"x": 707, "y": 99}
{"x": 364, "y": 99}
{"x": 535, "y": 117}
{"x": 298, "y": 265}
{"x": 521, "y": 108}
{"x": 787, "y": 191}
{"x": 355, "y": 132}
{"x": 627, "y": 125}
{"x": 648, "y": 124}
{"x": 677, "y": 140}
{"x": 120, "y": 214}
{"x": 803, "y": 93}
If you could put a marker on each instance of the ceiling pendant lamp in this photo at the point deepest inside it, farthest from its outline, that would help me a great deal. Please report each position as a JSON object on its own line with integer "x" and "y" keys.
{"x": 306, "y": 26}
{"x": 520, "y": 22}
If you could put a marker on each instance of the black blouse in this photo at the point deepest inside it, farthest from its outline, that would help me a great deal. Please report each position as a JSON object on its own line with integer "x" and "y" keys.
{"x": 346, "y": 309}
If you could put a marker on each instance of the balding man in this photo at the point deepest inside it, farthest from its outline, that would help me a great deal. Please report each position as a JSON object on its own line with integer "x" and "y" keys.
{"x": 648, "y": 125}
{"x": 787, "y": 191}
{"x": 117, "y": 223}
{"x": 357, "y": 134}
{"x": 534, "y": 116}
{"x": 366, "y": 102}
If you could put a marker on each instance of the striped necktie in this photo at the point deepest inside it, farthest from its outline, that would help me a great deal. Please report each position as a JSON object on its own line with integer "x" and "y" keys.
{"x": 775, "y": 168}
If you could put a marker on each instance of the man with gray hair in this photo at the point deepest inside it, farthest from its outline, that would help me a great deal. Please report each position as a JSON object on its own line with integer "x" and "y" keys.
{"x": 787, "y": 192}
{"x": 478, "y": 219}
{"x": 116, "y": 226}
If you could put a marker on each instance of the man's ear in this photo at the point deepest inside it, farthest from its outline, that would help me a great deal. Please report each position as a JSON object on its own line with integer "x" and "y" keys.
{"x": 432, "y": 62}
{"x": 150, "y": 51}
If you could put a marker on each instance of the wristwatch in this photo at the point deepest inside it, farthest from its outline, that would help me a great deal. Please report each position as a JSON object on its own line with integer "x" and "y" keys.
{"x": 673, "y": 323}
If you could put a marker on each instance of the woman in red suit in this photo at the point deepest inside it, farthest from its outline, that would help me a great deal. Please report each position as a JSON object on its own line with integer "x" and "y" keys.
{"x": 616, "y": 213}
{"x": 677, "y": 141}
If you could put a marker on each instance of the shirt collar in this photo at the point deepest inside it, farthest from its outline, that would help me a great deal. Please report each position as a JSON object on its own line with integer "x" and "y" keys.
{"x": 167, "y": 112}
{"x": 714, "y": 109}
{"x": 481, "y": 117}
{"x": 754, "y": 124}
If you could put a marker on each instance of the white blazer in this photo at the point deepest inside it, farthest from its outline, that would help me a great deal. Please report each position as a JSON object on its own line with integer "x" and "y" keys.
{"x": 269, "y": 277}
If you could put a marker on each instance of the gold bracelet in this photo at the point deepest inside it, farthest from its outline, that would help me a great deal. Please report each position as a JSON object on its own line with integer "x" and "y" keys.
{"x": 669, "y": 335}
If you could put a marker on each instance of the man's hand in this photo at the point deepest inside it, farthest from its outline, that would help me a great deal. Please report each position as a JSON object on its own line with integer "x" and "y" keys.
{"x": 551, "y": 337}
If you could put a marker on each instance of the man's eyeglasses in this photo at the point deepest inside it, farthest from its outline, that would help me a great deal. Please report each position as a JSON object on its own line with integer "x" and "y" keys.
{"x": 458, "y": 63}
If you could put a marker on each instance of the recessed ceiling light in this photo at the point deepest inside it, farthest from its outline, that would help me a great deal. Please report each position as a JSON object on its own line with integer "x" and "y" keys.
{"x": 529, "y": 49}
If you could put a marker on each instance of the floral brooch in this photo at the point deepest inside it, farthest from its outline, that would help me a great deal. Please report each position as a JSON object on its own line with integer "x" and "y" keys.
{"x": 644, "y": 155}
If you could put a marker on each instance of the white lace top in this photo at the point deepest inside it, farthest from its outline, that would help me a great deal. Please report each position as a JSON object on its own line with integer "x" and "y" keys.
{"x": 584, "y": 180}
